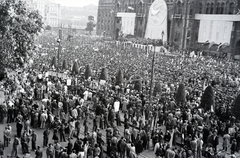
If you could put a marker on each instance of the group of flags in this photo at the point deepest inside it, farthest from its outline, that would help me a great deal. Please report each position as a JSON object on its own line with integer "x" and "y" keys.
{"x": 220, "y": 45}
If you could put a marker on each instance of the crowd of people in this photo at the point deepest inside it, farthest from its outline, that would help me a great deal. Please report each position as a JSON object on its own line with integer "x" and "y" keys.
{"x": 160, "y": 123}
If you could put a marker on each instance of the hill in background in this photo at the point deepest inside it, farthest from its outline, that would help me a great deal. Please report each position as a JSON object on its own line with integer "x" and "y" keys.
{"x": 78, "y": 16}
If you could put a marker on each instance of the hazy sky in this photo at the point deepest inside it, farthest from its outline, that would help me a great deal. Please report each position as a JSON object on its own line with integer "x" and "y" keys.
{"x": 77, "y": 3}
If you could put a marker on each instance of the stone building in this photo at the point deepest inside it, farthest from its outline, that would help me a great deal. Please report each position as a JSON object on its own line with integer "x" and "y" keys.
{"x": 185, "y": 22}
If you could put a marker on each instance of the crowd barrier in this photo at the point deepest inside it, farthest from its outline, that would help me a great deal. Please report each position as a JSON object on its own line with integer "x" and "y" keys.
{"x": 142, "y": 46}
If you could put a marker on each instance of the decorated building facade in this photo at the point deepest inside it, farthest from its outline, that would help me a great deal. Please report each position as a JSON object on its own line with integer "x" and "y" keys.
{"x": 190, "y": 23}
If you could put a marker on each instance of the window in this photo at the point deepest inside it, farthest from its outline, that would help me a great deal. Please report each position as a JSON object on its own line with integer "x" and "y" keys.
{"x": 178, "y": 23}
{"x": 126, "y": 8}
{"x": 218, "y": 8}
{"x": 222, "y": 8}
{"x": 212, "y": 9}
{"x": 200, "y": 8}
{"x": 208, "y": 8}
{"x": 231, "y": 8}
{"x": 140, "y": 8}
{"x": 179, "y": 8}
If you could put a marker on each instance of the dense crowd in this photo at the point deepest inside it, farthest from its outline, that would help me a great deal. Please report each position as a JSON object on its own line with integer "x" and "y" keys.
{"x": 36, "y": 100}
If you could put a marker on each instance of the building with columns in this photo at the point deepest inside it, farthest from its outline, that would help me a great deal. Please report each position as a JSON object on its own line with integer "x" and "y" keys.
{"x": 194, "y": 22}
{"x": 50, "y": 11}
{"x": 191, "y": 23}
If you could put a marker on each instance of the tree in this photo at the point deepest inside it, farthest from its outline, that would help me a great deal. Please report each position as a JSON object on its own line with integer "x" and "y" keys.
{"x": 75, "y": 68}
{"x": 18, "y": 27}
{"x": 207, "y": 99}
{"x": 88, "y": 72}
{"x": 54, "y": 62}
{"x": 64, "y": 65}
{"x": 103, "y": 75}
{"x": 138, "y": 84}
{"x": 236, "y": 107}
{"x": 119, "y": 78}
{"x": 181, "y": 94}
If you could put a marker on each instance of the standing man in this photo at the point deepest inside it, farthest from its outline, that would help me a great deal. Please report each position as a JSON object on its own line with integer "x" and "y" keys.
{"x": 62, "y": 133}
{"x": 46, "y": 137}
{"x": 16, "y": 142}
{"x": 78, "y": 126}
{"x": 34, "y": 140}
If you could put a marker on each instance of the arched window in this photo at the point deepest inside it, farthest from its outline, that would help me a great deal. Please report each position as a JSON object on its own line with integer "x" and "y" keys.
{"x": 222, "y": 8}
{"x": 231, "y": 8}
{"x": 118, "y": 7}
{"x": 140, "y": 8}
{"x": 218, "y": 8}
{"x": 212, "y": 8}
{"x": 208, "y": 8}
{"x": 179, "y": 8}
{"x": 126, "y": 8}
{"x": 200, "y": 8}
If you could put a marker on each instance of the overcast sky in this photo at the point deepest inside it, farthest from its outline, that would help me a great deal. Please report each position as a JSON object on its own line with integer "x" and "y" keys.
{"x": 77, "y": 3}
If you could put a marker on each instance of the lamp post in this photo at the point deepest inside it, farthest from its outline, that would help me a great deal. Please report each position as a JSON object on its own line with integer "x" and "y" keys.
{"x": 152, "y": 72}
{"x": 59, "y": 51}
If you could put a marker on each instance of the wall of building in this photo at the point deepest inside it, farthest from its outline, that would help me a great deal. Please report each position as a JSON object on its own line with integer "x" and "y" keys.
{"x": 182, "y": 26}
{"x": 105, "y": 17}
{"x": 53, "y": 14}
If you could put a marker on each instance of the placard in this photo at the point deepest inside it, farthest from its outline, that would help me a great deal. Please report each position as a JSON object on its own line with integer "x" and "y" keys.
{"x": 116, "y": 106}
{"x": 40, "y": 76}
{"x": 102, "y": 82}
{"x": 69, "y": 82}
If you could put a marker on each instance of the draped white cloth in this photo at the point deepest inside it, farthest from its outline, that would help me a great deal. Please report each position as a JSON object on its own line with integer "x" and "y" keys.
{"x": 128, "y": 22}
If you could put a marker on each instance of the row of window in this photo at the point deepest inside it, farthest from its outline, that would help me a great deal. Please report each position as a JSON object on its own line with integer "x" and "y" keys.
{"x": 209, "y": 8}
{"x": 137, "y": 8}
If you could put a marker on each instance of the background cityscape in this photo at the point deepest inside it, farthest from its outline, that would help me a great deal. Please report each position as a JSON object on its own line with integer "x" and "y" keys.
{"x": 183, "y": 21}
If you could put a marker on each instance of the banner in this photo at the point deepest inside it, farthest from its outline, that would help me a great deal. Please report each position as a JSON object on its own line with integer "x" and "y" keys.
{"x": 157, "y": 21}
{"x": 215, "y": 28}
{"x": 128, "y": 22}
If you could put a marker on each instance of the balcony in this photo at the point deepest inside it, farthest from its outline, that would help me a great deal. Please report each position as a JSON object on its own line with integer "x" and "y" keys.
{"x": 178, "y": 16}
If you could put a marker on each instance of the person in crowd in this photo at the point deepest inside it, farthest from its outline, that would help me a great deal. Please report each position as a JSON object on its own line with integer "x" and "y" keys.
{"x": 50, "y": 151}
{"x": 46, "y": 137}
{"x": 38, "y": 152}
{"x": 34, "y": 141}
{"x": 16, "y": 143}
{"x": 1, "y": 149}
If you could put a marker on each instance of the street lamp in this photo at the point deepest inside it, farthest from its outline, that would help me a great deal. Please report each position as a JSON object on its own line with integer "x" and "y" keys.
{"x": 152, "y": 71}
{"x": 59, "y": 51}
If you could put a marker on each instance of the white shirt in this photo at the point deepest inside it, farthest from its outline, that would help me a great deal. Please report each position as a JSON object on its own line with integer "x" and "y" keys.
{"x": 85, "y": 95}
